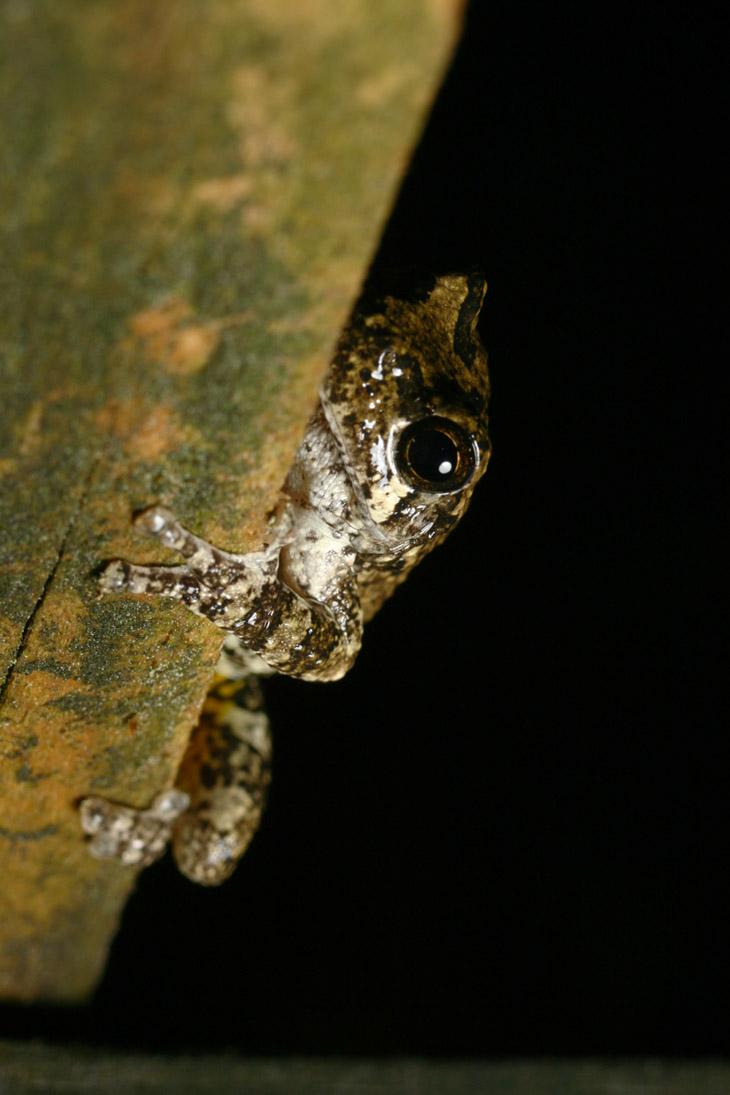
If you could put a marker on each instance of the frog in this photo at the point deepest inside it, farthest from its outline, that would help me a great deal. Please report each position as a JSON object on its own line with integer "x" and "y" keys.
{"x": 386, "y": 468}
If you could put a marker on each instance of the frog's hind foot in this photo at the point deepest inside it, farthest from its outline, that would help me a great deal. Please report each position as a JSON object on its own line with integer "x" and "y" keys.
{"x": 131, "y": 837}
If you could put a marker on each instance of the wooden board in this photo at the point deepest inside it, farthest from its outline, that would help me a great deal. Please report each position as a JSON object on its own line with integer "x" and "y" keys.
{"x": 33, "y": 1067}
{"x": 189, "y": 200}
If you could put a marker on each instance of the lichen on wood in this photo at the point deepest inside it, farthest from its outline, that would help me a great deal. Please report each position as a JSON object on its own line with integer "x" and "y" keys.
{"x": 189, "y": 199}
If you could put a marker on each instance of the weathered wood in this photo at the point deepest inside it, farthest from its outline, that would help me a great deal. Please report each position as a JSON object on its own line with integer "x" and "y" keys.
{"x": 189, "y": 198}
{"x": 33, "y": 1067}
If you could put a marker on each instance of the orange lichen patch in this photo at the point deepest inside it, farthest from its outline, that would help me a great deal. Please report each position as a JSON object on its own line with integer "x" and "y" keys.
{"x": 31, "y": 429}
{"x": 151, "y": 194}
{"x": 148, "y": 431}
{"x": 158, "y": 433}
{"x": 36, "y": 743}
{"x": 56, "y": 751}
{"x": 61, "y": 624}
{"x": 259, "y": 218}
{"x": 118, "y": 417}
{"x": 158, "y": 321}
{"x": 191, "y": 348}
{"x": 37, "y": 689}
{"x": 223, "y": 193}
{"x": 158, "y": 330}
{"x": 170, "y": 338}
{"x": 255, "y": 111}
{"x": 139, "y": 426}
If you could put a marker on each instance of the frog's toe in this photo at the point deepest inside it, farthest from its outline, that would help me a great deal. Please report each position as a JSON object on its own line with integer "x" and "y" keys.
{"x": 170, "y": 804}
{"x": 114, "y": 578}
{"x": 161, "y": 524}
{"x": 131, "y": 837}
{"x": 158, "y": 522}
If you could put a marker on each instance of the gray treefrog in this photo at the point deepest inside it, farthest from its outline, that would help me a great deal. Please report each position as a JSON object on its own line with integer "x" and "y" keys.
{"x": 386, "y": 468}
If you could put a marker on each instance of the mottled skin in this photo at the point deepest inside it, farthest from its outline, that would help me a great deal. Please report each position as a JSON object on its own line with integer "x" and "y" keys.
{"x": 385, "y": 470}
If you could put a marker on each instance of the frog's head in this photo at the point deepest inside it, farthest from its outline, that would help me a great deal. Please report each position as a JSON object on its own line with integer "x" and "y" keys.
{"x": 407, "y": 399}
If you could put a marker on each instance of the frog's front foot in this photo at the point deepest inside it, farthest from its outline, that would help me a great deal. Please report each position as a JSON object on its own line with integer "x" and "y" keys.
{"x": 207, "y": 582}
{"x": 134, "y": 838}
{"x": 180, "y": 582}
{"x": 114, "y": 577}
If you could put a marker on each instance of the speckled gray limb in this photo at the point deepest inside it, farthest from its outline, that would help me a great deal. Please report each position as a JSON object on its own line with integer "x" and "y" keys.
{"x": 178, "y": 582}
{"x": 216, "y": 569}
{"x": 213, "y": 812}
{"x": 244, "y": 595}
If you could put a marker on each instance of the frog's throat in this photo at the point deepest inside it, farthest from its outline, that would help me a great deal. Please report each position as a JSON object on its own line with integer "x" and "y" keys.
{"x": 381, "y": 542}
{"x": 374, "y": 529}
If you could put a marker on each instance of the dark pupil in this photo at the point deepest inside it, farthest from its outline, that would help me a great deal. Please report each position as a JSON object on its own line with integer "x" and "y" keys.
{"x": 432, "y": 455}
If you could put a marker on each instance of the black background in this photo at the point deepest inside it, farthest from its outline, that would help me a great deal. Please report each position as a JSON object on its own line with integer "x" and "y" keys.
{"x": 503, "y": 832}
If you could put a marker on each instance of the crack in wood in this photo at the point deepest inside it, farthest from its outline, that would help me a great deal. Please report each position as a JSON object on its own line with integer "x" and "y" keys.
{"x": 28, "y": 834}
{"x": 73, "y": 517}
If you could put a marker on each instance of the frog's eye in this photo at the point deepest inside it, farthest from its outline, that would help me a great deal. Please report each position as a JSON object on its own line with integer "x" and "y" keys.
{"x": 435, "y": 454}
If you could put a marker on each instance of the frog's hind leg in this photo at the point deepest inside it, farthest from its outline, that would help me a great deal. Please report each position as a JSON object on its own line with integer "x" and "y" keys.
{"x": 226, "y": 773}
{"x": 216, "y": 806}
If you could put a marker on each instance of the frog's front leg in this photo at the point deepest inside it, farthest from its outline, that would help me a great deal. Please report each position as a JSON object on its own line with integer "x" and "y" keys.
{"x": 244, "y": 594}
{"x": 212, "y": 583}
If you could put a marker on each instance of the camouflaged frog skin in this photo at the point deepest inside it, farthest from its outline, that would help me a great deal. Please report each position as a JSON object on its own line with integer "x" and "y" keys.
{"x": 385, "y": 470}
